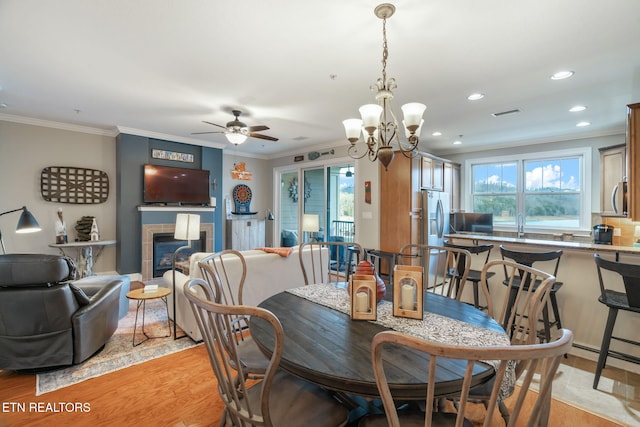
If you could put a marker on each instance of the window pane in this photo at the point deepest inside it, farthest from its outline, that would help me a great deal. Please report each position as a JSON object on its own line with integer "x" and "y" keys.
{"x": 552, "y": 210}
{"x": 495, "y": 178}
{"x": 552, "y": 175}
{"x": 503, "y": 208}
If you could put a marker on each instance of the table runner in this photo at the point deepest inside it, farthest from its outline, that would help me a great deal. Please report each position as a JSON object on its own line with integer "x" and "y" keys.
{"x": 432, "y": 327}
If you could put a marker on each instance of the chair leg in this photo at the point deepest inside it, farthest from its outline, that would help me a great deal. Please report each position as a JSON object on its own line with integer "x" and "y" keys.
{"x": 504, "y": 411}
{"x": 604, "y": 347}
{"x": 545, "y": 322}
{"x": 556, "y": 311}
{"x": 476, "y": 298}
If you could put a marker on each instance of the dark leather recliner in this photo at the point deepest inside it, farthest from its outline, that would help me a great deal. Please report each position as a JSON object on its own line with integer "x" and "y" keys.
{"x": 45, "y": 322}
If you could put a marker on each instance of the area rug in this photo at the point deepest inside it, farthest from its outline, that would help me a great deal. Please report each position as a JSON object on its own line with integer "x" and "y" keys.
{"x": 119, "y": 352}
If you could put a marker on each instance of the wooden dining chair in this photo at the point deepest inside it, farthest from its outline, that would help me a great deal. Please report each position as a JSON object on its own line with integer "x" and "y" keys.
{"x": 325, "y": 262}
{"x": 225, "y": 272}
{"x": 518, "y": 311}
{"x": 542, "y": 359}
{"x": 279, "y": 399}
{"x": 444, "y": 269}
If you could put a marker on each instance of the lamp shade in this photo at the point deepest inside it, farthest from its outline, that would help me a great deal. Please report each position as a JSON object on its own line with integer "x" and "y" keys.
{"x": 311, "y": 223}
{"x": 413, "y": 112}
{"x": 370, "y": 115}
{"x": 187, "y": 227}
{"x": 236, "y": 138}
{"x": 352, "y": 128}
{"x": 27, "y": 223}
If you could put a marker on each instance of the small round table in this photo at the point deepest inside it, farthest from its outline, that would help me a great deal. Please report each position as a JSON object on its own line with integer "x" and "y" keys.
{"x": 141, "y": 297}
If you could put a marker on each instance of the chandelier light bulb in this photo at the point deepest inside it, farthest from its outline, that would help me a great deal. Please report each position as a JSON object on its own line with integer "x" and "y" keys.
{"x": 370, "y": 116}
{"x": 413, "y": 112}
{"x": 352, "y": 128}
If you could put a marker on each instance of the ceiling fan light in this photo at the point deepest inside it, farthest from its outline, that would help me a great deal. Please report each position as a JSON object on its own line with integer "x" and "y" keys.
{"x": 236, "y": 138}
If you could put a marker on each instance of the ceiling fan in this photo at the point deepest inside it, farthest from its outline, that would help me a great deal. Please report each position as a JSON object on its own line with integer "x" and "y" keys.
{"x": 237, "y": 131}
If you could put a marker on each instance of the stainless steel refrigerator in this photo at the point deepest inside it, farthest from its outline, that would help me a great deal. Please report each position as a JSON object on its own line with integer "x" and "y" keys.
{"x": 434, "y": 225}
{"x": 435, "y": 217}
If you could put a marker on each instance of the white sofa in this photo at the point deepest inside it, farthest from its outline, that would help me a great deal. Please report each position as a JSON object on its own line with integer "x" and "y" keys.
{"x": 267, "y": 275}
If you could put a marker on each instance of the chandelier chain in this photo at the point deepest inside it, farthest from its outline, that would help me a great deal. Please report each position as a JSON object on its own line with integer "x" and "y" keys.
{"x": 385, "y": 51}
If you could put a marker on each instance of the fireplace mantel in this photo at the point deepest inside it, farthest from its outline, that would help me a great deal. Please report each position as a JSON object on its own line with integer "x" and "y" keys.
{"x": 148, "y": 208}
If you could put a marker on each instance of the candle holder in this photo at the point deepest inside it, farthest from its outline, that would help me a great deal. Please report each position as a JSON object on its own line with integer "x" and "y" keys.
{"x": 408, "y": 298}
{"x": 363, "y": 297}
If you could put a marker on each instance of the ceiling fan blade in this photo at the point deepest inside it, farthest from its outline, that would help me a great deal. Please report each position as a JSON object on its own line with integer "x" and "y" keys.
{"x": 214, "y": 124}
{"x": 202, "y": 133}
{"x": 258, "y": 128}
{"x": 260, "y": 136}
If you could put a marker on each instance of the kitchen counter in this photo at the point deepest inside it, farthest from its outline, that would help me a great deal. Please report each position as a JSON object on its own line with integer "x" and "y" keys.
{"x": 580, "y": 310}
{"x": 554, "y": 244}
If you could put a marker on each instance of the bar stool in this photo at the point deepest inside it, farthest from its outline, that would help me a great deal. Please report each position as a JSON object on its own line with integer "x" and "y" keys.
{"x": 474, "y": 275}
{"x": 528, "y": 259}
{"x": 380, "y": 259}
{"x": 616, "y": 300}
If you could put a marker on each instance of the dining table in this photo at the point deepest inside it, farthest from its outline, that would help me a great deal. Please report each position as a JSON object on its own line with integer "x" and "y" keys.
{"x": 323, "y": 345}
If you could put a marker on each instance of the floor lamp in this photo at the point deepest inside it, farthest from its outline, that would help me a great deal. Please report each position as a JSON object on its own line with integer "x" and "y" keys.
{"x": 311, "y": 224}
{"x": 187, "y": 228}
{"x": 26, "y": 224}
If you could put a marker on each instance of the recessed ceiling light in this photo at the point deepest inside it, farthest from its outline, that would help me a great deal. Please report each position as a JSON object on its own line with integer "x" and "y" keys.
{"x": 475, "y": 96}
{"x": 436, "y": 133}
{"x": 580, "y": 124}
{"x": 561, "y": 75}
{"x": 577, "y": 108}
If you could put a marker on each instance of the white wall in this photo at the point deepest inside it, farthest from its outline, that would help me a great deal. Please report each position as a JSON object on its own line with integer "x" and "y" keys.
{"x": 25, "y": 151}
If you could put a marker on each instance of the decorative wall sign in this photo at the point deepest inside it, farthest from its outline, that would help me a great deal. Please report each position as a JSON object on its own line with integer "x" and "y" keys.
{"x": 67, "y": 184}
{"x": 240, "y": 172}
{"x": 367, "y": 192}
{"x": 171, "y": 155}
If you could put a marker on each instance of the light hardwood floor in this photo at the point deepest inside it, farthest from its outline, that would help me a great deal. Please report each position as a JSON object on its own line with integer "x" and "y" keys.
{"x": 175, "y": 390}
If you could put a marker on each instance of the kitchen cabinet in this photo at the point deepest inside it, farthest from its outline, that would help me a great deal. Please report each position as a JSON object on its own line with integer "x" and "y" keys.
{"x": 400, "y": 209}
{"x": 613, "y": 170}
{"x": 633, "y": 160}
{"x": 432, "y": 173}
{"x": 452, "y": 184}
{"x": 244, "y": 234}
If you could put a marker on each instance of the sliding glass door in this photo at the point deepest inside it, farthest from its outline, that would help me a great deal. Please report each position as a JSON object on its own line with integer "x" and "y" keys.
{"x": 316, "y": 203}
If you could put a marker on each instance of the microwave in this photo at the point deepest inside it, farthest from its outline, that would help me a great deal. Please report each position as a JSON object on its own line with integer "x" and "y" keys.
{"x": 619, "y": 199}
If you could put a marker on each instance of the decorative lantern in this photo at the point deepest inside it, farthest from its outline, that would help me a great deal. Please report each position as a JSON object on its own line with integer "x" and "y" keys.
{"x": 362, "y": 291}
{"x": 408, "y": 298}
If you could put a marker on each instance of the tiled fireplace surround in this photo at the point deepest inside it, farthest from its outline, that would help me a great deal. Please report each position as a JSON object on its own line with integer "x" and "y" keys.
{"x": 148, "y": 230}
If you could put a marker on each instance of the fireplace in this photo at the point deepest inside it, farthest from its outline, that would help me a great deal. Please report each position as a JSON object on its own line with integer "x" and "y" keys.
{"x": 149, "y": 230}
{"x": 164, "y": 246}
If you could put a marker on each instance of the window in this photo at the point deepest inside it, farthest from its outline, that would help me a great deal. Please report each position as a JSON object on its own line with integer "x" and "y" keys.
{"x": 546, "y": 189}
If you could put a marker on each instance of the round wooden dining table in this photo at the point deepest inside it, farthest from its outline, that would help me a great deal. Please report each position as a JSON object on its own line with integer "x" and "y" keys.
{"x": 326, "y": 347}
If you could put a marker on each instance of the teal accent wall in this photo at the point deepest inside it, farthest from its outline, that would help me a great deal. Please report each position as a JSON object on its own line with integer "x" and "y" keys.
{"x": 132, "y": 153}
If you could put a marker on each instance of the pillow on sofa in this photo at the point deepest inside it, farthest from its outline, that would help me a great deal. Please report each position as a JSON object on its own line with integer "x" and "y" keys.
{"x": 81, "y": 297}
{"x": 289, "y": 238}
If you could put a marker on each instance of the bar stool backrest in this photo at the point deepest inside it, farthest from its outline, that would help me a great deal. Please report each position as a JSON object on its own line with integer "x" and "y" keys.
{"x": 529, "y": 258}
{"x": 630, "y": 276}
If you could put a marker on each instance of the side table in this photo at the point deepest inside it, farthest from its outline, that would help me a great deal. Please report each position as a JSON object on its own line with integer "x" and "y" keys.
{"x": 141, "y": 298}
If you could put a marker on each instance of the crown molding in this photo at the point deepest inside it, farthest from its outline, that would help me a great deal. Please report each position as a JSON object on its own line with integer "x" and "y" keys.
{"x": 58, "y": 125}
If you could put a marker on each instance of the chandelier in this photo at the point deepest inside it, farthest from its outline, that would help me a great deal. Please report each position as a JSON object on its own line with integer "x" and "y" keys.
{"x": 379, "y": 126}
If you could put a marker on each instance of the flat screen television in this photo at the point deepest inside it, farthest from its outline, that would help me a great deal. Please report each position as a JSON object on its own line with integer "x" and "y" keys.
{"x": 164, "y": 184}
{"x": 476, "y": 223}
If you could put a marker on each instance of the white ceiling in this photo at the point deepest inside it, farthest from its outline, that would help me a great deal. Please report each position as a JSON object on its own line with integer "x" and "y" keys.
{"x": 164, "y": 66}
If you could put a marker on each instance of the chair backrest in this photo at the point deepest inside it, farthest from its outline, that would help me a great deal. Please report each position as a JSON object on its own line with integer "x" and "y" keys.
{"x": 225, "y": 271}
{"x": 473, "y": 249}
{"x": 630, "y": 274}
{"x": 529, "y": 258}
{"x": 536, "y": 358}
{"x": 215, "y": 322}
{"x": 521, "y": 306}
{"x": 444, "y": 270}
{"x": 325, "y": 262}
